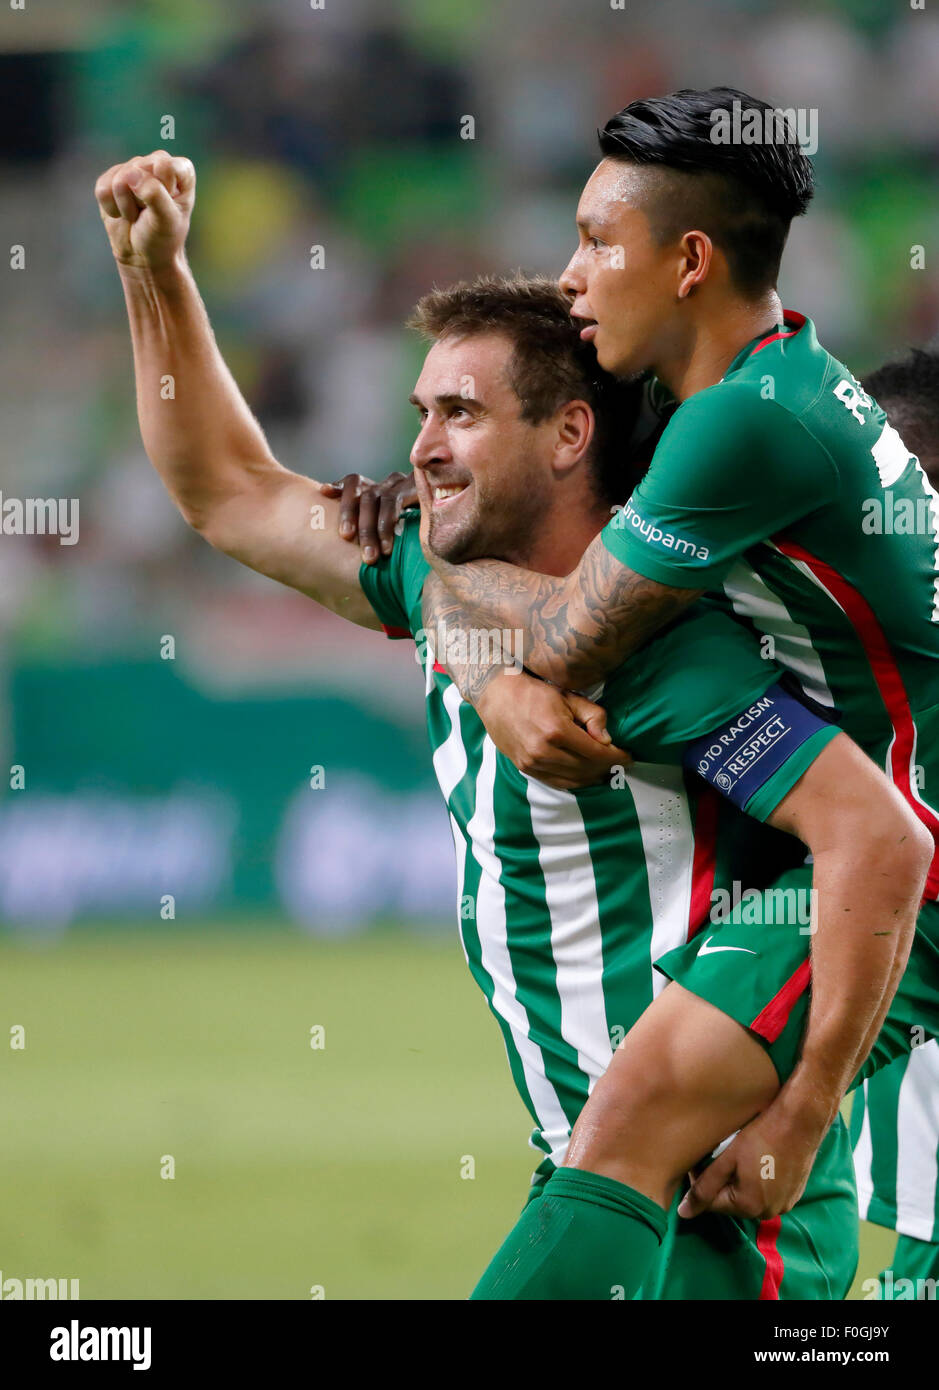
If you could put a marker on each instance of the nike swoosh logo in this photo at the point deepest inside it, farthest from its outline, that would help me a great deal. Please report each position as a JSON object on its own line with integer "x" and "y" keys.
{"x": 706, "y": 949}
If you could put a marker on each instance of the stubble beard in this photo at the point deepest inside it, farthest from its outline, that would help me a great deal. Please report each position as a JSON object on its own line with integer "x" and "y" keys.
{"x": 482, "y": 537}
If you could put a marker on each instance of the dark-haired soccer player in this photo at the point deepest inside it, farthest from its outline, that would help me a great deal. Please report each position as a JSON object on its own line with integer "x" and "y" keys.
{"x": 757, "y": 493}
{"x": 569, "y": 898}
{"x": 895, "y": 1118}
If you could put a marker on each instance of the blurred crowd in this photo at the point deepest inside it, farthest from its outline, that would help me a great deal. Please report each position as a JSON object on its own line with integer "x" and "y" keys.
{"x": 345, "y": 127}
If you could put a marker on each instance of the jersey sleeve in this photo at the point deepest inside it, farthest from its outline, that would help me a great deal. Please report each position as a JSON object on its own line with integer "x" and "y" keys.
{"x": 395, "y": 581}
{"x": 700, "y": 694}
{"x": 700, "y": 677}
{"x": 732, "y": 468}
{"x": 693, "y": 676}
{"x": 756, "y": 758}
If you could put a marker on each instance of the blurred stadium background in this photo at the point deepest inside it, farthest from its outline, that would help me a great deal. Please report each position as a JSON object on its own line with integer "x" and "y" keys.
{"x": 151, "y": 1035}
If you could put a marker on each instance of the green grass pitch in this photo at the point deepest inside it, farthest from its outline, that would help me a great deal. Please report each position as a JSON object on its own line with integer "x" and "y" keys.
{"x": 344, "y": 1168}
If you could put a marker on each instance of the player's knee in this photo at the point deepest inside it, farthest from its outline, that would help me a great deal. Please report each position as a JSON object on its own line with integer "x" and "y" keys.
{"x": 629, "y": 1112}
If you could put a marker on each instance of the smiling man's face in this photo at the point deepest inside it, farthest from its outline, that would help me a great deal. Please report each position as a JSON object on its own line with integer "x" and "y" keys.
{"x": 483, "y": 472}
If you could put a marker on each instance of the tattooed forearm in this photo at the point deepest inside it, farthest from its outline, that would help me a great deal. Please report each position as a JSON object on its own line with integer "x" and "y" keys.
{"x": 576, "y": 629}
{"x": 472, "y": 654}
{"x": 614, "y": 611}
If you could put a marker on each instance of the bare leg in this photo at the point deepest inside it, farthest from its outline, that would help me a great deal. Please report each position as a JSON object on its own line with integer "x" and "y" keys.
{"x": 685, "y": 1077}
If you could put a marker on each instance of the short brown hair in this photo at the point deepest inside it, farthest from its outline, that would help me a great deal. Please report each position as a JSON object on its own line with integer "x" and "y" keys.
{"x": 550, "y": 365}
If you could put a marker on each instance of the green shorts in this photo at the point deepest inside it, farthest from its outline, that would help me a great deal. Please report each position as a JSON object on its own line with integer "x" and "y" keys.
{"x": 755, "y": 967}
{"x": 809, "y": 1253}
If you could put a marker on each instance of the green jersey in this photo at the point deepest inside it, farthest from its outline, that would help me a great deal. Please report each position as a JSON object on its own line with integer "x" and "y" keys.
{"x": 564, "y": 899}
{"x": 784, "y": 489}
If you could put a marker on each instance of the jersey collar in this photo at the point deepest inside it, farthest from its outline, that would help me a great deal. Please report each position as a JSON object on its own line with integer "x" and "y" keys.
{"x": 792, "y": 322}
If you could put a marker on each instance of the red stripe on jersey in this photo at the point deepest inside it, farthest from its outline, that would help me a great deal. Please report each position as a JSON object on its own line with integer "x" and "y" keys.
{"x": 442, "y": 669}
{"x": 773, "y": 338}
{"x": 705, "y": 858}
{"x": 772, "y": 1019}
{"x": 766, "y": 1237}
{"x": 789, "y": 316}
{"x": 889, "y": 682}
{"x": 395, "y": 632}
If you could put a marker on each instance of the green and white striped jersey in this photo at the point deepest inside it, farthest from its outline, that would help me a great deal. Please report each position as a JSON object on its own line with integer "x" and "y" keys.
{"x": 785, "y": 489}
{"x": 565, "y": 900}
{"x": 895, "y": 1133}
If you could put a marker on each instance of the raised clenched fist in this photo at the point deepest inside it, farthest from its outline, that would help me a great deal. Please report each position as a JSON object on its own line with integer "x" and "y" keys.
{"x": 146, "y": 205}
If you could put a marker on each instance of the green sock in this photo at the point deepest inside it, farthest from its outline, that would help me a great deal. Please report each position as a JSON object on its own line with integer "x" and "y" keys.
{"x": 586, "y": 1236}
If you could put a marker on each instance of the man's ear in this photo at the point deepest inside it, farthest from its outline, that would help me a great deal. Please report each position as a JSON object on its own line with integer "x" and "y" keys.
{"x": 576, "y": 426}
{"x": 697, "y": 255}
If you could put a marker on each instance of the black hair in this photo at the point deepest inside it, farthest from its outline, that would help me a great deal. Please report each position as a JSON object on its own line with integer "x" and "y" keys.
{"x": 908, "y": 390}
{"x": 743, "y": 193}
